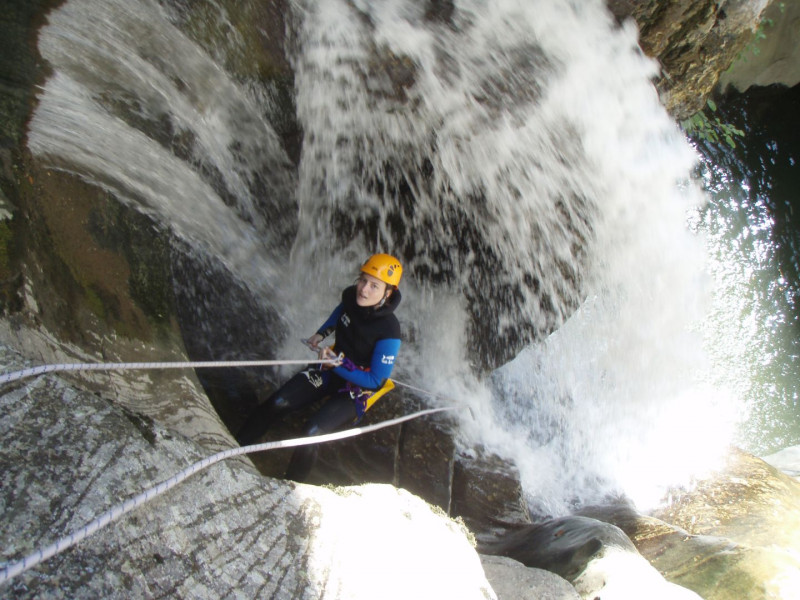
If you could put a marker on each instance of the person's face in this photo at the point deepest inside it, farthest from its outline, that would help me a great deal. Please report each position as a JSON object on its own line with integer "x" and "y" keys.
{"x": 369, "y": 290}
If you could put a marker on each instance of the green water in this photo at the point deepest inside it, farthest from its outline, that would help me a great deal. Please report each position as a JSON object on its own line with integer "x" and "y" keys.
{"x": 753, "y": 224}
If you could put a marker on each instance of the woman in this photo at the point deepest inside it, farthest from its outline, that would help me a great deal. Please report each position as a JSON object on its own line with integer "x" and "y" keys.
{"x": 368, "y": 339}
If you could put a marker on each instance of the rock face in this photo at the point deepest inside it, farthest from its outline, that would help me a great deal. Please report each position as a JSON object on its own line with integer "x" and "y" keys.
{"x": 775, "y": 56}
{"x": 420, "y": 456}
{"x": 755, "y": 507}
{"x": 733, "y": 536}
{"x": 786, "y": 460}
{"x": 512, "y": 580}
{"x": 68, "y": 455}
{"x": 693, "y": 41}
{"x": 749, "y": 502}
{"x": 596, "y": 557}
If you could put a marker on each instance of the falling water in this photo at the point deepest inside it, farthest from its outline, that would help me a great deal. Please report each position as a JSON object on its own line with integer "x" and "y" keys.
{"x": 514, "y": 153}
{"x": 538, "y": 122}
{"x": 137, "y": 107}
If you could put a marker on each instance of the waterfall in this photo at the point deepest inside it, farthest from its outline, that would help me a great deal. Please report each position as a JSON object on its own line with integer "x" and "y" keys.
{"x": 514, "y": 153}
{"x": 137, "y": 107}
{"x": 530, "y": 132}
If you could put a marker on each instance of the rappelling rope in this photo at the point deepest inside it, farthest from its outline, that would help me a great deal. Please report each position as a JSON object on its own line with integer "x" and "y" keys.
{"x": 434, "y": 395}
{"x": 6, "y": 377}
{"x": 13, "y": 569}
{"x": 416, "y": 389}
{"x": 40, "y": 370}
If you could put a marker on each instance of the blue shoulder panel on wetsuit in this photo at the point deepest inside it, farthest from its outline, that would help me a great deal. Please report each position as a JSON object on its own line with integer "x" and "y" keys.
{"x": 380, "y": 367}
{"x": 329, "y": 325}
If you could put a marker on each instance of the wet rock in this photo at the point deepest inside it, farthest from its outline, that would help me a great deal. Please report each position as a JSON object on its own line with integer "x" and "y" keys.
{"x": 596, "y": 557}
{"x": 20, "y": 68}
{"x": 786, "y": 460}
{"x": 68, "y": 455}
{"x": 425, "y": 461}
{"x": 368, "y": 458}
{"x": 564, "y": 546}
{"x": 694, "y": 42}
{"x": 741, "y": 531}
{"x": 748, "y": 501}
{"x": 487, "y": 494}
{"x": 774, "y": 57}
{"x": 416, "y": 455}
{"x": 420, "y": 456}
{"x": 732, "y": 537}
{"x": 95, "y": 286}
{"x": 715, "y": 568}
{"x": 378, "y": 456}
{"x": 511, "y": 580}
{"x": 680, "y": 557}
{"x": 620, "y": 575}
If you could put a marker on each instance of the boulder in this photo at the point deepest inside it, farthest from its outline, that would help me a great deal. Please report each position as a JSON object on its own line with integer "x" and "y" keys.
{"x": 786, "y": 460}
{"x": 511, "y": 580}
{"x": 596, "y": 557}
{"x": 618, "y": 575}
{"x": 747, "y": 501}
{"x": 563, "y": 546}
{"x": 69, "y": 455}
{"x": 711, "y": 552}
{"x": 743, "y": 528}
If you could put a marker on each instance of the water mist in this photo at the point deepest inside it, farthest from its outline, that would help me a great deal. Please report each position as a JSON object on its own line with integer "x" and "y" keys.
{"x": 539, "y": 121}
{"x": 514, "y": 153}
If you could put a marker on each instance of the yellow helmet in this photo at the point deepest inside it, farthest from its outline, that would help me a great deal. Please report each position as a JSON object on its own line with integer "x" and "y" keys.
{"x": 386, "y": 268}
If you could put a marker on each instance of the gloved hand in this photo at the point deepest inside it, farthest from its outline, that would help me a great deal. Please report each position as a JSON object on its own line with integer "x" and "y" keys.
{"x": 313, "y": 341}
{"x": 328, "y": 354}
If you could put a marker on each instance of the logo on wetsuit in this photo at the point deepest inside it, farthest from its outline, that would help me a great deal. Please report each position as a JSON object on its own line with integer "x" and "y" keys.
{"x": 314, "y": 377}
{"x": 387, "y": 360}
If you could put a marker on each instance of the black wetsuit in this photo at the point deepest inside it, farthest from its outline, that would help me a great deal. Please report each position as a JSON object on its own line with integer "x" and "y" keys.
{"x": 369, "y": 338}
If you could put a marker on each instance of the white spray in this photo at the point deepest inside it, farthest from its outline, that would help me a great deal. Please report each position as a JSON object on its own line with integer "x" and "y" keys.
{"x": 122, "y": 68}
{"x": 529, "y": 127}
{"x": 536, "y": 106}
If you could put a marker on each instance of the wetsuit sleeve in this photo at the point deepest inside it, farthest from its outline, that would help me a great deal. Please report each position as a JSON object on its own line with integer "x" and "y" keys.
{"x": 380, "y": 367}
{"x": 329, "y": 325}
